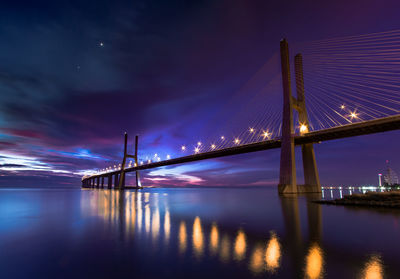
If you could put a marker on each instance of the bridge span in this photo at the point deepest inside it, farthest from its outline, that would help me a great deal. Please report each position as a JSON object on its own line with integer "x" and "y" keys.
{"x": 351, "y": 130}
{"x": 286, "y": 142}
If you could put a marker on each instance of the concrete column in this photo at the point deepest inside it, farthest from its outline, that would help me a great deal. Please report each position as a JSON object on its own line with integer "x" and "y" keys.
{"x": 116, "y": 181}
{"x": 287, "y": 177}
{"x": 122, "y": 175}
{"x": 102, "y": 182}
{"x": 98, "y": 182}
{"x": 138, "y": 184}
{"x": 109, "y": 181}
{"x": 311, "y": 177}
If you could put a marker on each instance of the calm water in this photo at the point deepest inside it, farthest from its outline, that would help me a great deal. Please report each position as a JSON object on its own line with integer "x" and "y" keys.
{"x": 191, "y": 233}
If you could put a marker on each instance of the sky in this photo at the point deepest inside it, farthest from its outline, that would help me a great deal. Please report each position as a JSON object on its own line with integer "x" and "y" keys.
{"x": 76, "y": 75}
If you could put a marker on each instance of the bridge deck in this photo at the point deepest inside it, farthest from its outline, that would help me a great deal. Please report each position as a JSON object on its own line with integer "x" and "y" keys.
{"x": 350, "y": 130}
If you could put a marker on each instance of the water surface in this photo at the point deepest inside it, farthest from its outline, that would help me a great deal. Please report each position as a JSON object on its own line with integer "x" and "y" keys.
{"x": 192, "y": 233}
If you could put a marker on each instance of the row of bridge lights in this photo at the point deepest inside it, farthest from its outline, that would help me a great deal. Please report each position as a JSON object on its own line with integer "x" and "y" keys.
{"x": 352, "y": 115}
{"x": 265, "y": 134}
{"x": 236, "y": 141}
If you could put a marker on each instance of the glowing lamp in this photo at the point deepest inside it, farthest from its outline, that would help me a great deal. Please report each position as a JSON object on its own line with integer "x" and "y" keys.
{"x": 303, "y": 129}
{"x": 266, "y": 134}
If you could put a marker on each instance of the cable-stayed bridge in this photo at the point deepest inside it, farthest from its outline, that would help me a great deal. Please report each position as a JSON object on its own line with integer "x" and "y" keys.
{"x": 352, "y": 89}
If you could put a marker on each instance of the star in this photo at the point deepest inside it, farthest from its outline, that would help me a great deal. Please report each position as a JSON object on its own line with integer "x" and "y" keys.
{"x": 101, "y": 44}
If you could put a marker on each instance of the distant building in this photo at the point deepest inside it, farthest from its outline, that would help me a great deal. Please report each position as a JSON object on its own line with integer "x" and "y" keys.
{"x": 390, "y": 177}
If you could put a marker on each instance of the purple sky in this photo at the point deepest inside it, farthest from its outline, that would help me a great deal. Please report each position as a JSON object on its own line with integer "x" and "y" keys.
{"x": 75, "y": 76}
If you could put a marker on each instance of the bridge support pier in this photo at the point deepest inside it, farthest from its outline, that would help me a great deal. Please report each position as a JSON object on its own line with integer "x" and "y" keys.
{"x": 109, "y": 181}
{"x": 287, "y": 177}
{"x": 138, "y": 183}
{"x": 116, "y": 181}
{"x": 102, "y": 182}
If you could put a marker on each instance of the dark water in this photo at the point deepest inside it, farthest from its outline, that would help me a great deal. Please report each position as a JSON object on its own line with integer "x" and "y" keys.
{"x": 191, "y": 233}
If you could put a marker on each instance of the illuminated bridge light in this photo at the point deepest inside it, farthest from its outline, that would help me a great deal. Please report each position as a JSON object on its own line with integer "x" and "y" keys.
{"x": 251, "y": 130}
{"x": 158, "y": 159}
{"x": 155, "y": 155}
{"x": 237, "y": 141}
{"x": 342, "y": 107}
{"x": 303, "y": 129}
{"x": 213, "y": 146}
{"x": 168, "y": 157}
{"x": 222, "y": 137}
{"x": 266, "y": 134}
{"x": 148, "y": 161}
{"x": 196, "y": 150}
{"x": 198, "y": 143}
{"x": 141, "y": 162}
{"x": 183, "y": 148}
{"x": 353, "y": 115}
{"x": 135, "y": 165}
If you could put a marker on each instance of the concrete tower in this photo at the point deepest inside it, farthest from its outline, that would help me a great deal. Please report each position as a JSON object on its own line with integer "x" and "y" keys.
{"x": 287, "y": 177}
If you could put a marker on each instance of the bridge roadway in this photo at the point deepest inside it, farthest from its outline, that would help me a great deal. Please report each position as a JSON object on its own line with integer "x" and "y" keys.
{"x": 350, "y": 130}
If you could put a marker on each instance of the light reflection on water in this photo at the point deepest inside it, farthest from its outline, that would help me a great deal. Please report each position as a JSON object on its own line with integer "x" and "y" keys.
{"x": 329, "y": 193}
{"x": 260, "y": 257}
{"x": 273, "y": 253}
{"x": 285, "y": 242}
{"x": 373, "y": 268}
{"x": 198, "y": 239}
{"x": 314, "y": 262}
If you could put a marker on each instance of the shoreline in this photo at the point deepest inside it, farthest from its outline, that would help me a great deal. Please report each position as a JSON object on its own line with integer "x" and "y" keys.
{"x": 389, "y": 199}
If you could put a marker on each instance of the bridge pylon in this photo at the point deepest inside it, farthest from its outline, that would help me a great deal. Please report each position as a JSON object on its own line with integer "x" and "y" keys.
{"x": 121, "y": 184}
{"x": 287, "y": 176}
